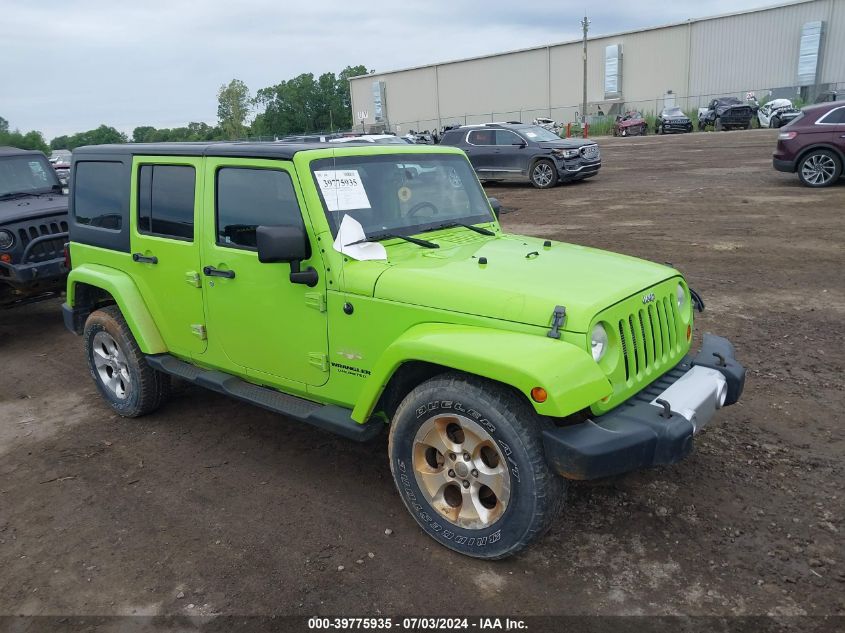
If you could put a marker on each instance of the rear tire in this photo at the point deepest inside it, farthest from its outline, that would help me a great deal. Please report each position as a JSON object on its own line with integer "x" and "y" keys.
{"x": 453, "y": 435}
{"x": 543, "y": 174}
{"x": 127, "y": 383}
{"x": 819, "y": 168}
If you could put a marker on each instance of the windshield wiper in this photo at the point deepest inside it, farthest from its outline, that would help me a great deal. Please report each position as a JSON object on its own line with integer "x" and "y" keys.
{"x": 18, "y": 194}
{"x": 449, "y": 225}
{"x": 385, "y": 236}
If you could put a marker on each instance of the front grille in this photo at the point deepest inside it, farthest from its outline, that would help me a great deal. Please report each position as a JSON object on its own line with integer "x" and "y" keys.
{"x": 649, "y": 337}
{"x": 590, "y": 152}
{"x": 44, "y": 250}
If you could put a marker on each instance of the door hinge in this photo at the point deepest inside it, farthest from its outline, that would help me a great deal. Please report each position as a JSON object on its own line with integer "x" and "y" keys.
{"x": 316, "y": 300}
{"x": 198, "y": 330}
{"x": 192, "y": 278}
{"x": 319, "y": 360}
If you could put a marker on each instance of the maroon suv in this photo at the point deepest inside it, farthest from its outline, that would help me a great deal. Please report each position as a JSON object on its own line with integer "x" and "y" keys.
{"x": 813, "y": 145}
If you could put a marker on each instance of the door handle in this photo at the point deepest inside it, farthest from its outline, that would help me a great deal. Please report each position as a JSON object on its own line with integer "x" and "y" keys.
{"x": 211, "y": 271}
{"x": 144, "y": 259}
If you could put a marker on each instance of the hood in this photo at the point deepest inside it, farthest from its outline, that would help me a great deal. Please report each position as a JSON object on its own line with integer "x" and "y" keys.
{"x": 630, "y": 122}
{"x": 724, "y": 107}
{"x": 521, "y": 282}
{"x": 28, "y": 207}
{"x": 565, "y": 143}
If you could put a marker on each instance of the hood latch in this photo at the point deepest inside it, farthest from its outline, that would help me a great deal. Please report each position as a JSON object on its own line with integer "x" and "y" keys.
{"x": 558, "y": 319}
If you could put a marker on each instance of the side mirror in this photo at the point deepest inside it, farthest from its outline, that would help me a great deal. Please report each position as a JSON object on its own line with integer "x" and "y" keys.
{"x": 496, "y": 206}
{"x": 286, "y": 244}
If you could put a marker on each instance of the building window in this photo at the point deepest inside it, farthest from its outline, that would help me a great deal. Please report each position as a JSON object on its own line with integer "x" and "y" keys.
{"x": 613, "y": 71}
{"x": 166, "y": 200}
{"x": 808, "y": 55}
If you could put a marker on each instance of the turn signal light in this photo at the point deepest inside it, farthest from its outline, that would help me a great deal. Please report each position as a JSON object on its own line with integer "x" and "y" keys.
{"x": 6, "y": 258}
{"x": 689, "y": 332}
{"x": 539, "y": 394}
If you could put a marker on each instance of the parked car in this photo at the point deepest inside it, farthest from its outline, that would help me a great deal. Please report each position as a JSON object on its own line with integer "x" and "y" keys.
{"x": 516, "y": 151}
{"x": 725, "y": 113}
{"x": 813, "y": 145}
{"x": 503, "y": 363}
{"x": 672, "y": 119}
{"x": 309, "y": 138}
{"x": 630, "y": 124}
{"x": 33, "y": 228}
{"x": 378, "y": 139}
{"x": 776, "y": 113}
{"x": 60, "y": 160}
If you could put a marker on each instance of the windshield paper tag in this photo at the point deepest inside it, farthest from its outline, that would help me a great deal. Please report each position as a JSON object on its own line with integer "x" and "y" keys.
{"x": 342, "y": 189}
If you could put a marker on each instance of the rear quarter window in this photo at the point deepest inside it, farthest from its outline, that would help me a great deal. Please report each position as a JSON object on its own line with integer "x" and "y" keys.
{"x": 99, "y": 195}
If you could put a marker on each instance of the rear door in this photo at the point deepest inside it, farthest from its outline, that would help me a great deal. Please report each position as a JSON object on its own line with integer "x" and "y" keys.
{"x": 164, "y": 241}
{"x": 482, "y": 151}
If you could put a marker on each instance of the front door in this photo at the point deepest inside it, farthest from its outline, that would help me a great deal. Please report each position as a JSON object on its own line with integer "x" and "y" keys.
{"x": 512, "y": 155}
{"x": 259, "y": 322}
{"x": 166, "y": 197}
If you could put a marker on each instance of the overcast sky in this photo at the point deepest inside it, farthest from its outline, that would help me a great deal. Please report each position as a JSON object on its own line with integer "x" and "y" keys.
{"x": 70, "y": 65}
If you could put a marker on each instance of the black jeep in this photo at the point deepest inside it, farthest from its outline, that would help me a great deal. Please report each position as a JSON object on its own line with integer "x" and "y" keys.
{"x": 33, "y": 228}
{"x": 726, "y": 113}
{"x": 516, "y": 151}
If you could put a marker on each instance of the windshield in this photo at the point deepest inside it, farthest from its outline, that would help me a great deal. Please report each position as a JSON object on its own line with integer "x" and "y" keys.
{"x": 537, "y": 133}
{"x": 673, "y": 112}
{"x": 26, "y": 174}
{"x": 403, "y": 194}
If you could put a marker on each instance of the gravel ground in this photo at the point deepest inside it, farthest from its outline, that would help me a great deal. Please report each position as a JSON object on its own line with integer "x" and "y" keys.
{"x": 214, "y": 507}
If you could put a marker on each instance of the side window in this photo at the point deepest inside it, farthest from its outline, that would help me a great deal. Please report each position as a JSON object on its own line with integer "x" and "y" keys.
{"x": 482, "y": 137}
{"x": 835, "y": 117}
{"x": 249, "y": 198}
{"x": 506, "y": 137}
{"x": 98, "y": 194}
{"x": 166, "y": 200}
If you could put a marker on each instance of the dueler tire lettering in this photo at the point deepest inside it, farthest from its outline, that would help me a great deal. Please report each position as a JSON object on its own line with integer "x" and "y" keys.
{"x": 535, "y": 492}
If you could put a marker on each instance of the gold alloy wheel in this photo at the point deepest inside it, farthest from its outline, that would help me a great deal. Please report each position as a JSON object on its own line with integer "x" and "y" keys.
{"x": 461, "y": 471}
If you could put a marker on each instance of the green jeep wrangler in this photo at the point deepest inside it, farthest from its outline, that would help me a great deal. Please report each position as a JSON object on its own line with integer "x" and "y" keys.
{"x": 362, "y": 286}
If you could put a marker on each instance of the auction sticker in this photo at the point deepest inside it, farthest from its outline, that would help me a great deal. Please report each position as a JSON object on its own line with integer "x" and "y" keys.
{"x": 404, "y": 194}
{"x": 342, "y": 189}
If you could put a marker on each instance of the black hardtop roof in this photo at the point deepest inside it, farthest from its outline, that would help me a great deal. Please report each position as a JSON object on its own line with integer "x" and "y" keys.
{"x": 267, "y": 149}
{"x": 6, "y": 150}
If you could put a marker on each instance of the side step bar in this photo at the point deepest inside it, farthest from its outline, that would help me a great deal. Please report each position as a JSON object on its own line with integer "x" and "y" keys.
{"x": 327, "y": 417}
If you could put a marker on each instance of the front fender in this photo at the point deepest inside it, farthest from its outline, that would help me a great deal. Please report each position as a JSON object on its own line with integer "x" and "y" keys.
{"x": 125, "y": 293}
{"x": 569, "y": 375}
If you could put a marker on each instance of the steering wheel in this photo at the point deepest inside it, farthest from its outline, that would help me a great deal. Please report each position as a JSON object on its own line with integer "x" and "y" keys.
{"x": 421, "y": 205}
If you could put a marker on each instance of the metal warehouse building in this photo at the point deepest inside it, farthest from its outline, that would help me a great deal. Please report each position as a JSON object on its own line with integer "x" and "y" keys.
{"x": 797, "y": 48}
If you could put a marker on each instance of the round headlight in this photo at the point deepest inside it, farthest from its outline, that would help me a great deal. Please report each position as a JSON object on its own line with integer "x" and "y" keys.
{"x": 682, "y": 296}
{"x": 598, "y": 342}
{"x": 7, "y": 240}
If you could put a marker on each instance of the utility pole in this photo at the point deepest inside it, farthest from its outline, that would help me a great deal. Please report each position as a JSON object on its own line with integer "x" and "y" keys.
{"x": 585, "y": 24}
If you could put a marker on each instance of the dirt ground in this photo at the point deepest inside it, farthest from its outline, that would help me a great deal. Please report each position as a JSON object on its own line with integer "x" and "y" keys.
{"x": 213, "y": 507}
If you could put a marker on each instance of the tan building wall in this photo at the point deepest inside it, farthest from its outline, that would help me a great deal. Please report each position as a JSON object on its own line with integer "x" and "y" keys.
{"x": 695, "y": 60}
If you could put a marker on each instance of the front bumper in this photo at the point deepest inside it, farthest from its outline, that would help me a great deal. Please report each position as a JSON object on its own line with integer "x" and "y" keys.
{"x": 579, "y": 168}
{"x": 656, "y": 426}
{"x": 21, "y": 276}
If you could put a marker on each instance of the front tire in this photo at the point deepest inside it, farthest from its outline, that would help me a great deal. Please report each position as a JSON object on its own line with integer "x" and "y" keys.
{"x": 717, "y": 126}
{"x": 819, "y": 168}
{"x": 544, "y": 174}
{"x": 467, "y": 457}
{"x": 774, "y": 122}
{"x": 124, "y": 379}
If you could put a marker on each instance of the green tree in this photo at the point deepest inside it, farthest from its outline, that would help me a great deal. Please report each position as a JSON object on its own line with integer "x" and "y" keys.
{"x": 60, "y": 142}
{"x": 303, "y": 104}
{"x": 22, "y": 140}
{"x": 233, "y": 104}
{"x": 143, "y": 134}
